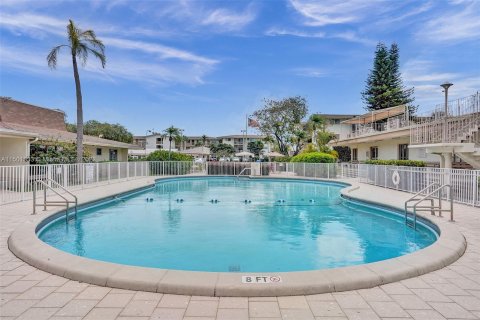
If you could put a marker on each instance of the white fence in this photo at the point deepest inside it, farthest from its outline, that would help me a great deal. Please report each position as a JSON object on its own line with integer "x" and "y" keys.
{"x": 16, "y": 181}
{"x": 465, "y": 183}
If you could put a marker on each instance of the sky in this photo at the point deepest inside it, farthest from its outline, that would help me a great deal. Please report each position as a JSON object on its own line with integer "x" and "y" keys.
{"x": 203, "y": 65}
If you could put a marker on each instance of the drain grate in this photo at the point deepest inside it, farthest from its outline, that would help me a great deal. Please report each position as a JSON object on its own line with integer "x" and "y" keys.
{"x": 234, "y": 268}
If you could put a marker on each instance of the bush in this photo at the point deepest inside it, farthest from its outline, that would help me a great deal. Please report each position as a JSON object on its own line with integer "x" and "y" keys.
{"x": 163, "y": 155}
{"x": 281, "y": 159}
{"x": 314, "y": 157}
{"x": 406, "y": 163}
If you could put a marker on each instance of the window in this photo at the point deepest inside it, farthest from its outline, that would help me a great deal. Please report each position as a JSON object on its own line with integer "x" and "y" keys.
{"x": 373, "y": 153}
{"x": 159, "y": 147}
{"x": 159, "y": 140}
{"x": 99, "y": 151}
{"x": 113, "y": 155}
{"x": 354, "y": 154}
{"x": 403, "y": 151}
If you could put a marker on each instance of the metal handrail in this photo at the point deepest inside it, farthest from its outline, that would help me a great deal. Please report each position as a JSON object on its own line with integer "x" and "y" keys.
{"x": 246, "y": 168}
{"x": 432, "y": 206}
{"x": 46, "y": 186}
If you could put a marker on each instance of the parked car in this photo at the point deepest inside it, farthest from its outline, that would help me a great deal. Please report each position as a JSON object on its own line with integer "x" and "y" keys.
{"x": 236, "y": 159}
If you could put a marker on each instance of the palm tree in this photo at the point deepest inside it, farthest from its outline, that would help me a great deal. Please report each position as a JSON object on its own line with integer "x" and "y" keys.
{"x": 315, "y": 122}
{"x": 299, "y": 137}
{"x": 172, "y": 133}
{"x": 81, "y": 44}
{"x": 204, "y": 139}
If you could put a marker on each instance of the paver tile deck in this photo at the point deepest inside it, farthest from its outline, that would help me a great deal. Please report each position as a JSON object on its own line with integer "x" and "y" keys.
{"x": 450, "y": 293}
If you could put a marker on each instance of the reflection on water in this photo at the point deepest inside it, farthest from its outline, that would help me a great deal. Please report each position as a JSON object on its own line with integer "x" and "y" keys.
{"x": 311, "y": 228}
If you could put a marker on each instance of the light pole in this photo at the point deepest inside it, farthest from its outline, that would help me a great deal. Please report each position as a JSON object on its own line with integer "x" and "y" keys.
{"x": 445, "y": 87}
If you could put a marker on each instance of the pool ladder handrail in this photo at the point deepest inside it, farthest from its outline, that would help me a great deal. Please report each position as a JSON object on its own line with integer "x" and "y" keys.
{"x": 429, "y": 197}
{"x": 243, "y": 170}
{"x": 66, "y": 202}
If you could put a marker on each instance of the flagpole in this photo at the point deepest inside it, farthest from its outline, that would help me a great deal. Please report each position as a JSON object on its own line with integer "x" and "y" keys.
{"x": 246, "y": 133}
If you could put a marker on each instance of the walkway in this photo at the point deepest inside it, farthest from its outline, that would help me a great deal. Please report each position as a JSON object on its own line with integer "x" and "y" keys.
{"x": 449, "y": 293}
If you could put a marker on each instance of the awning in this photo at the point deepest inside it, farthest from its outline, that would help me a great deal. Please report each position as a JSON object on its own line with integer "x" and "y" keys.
{"x": 377, "y": 115}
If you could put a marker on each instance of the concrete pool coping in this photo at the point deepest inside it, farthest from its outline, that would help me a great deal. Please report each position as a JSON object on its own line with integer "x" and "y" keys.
{"x": 25, "y": 244}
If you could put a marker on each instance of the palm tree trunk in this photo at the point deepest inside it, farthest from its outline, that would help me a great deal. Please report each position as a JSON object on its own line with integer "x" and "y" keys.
{"x": 170, "y": 147}
{"x": 78, "y": 91}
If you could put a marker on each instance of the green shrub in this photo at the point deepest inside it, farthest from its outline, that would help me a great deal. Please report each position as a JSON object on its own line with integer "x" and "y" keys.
{"x": 406, "y": 163}
{"x": 164, "y": 155}
{"x": 281, "y": 159}
{"x": 314, "y": 157}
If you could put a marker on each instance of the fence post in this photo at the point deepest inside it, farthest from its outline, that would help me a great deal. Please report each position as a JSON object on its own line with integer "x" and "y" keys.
{"x": 476, "y": 181}
{"x": 385, "y": 176}
{"x": 22, "y": 187}
{"x": 108, "y": 178}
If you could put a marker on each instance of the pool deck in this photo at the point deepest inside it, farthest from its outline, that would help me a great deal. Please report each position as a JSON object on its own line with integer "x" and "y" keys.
{"x": 452, "y": 292}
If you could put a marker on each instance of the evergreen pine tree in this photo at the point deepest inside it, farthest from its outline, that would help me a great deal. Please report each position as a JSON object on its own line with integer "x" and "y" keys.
{"x": 376, "y": 91}
{"x": 400, "y": 95}
{"x": 384, "y": 86}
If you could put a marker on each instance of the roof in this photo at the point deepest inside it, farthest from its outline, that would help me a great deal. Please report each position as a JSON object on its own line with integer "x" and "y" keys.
{"x": 242, "y": 136}
{"x": 64, "y": 136}
{"x": 13, "y": 111}
{"x": 377, "y": 115}
{"x": 337, "y": 116}
{"x": 8, "y": 132}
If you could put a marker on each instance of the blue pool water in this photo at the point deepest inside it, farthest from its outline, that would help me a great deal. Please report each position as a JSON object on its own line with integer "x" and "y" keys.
{"x": 312, "y": 228}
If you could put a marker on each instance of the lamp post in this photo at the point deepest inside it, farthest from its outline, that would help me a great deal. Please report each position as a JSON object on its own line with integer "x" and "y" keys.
{"x": 445, "y": 87}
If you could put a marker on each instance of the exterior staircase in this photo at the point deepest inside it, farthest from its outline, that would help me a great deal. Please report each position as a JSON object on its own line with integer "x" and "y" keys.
{"x": 457, "y": 132}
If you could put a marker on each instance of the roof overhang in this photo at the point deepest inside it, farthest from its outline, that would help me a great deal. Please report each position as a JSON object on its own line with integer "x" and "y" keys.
{"x": 8, "y": 133}
{"x": 377, "y": 115}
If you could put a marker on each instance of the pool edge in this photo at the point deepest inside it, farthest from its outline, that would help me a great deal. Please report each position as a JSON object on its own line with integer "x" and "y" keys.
{"x": 25, "y": 244}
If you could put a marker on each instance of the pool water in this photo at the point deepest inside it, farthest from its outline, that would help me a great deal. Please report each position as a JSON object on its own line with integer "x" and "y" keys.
{"x": 284, "y": 225}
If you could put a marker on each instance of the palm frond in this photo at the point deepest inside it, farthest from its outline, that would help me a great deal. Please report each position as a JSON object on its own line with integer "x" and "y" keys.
{"x": 99, "y": 55}
{"x": 52, "y": 56}
{"x": 82, "y": 53}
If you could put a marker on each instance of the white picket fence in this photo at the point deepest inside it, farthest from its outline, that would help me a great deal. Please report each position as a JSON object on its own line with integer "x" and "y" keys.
{"x": 16, "y": 181}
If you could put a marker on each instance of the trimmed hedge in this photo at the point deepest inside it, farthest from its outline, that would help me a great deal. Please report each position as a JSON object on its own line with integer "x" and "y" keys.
{"x": 405, "y": 163}
{"x": 314, "y": 157}
{"x": 281, "y": 159}
{"x": 164, "y": 155}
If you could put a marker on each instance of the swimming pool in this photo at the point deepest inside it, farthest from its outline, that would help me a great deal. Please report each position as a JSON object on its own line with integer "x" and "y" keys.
{"x": 255, "y": 225}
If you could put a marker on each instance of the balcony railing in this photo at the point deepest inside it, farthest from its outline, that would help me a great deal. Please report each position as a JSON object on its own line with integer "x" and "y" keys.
{"x": 390, "y": 124}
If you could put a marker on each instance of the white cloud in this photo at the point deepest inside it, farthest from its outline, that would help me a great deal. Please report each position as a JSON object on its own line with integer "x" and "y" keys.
{"x": 349, "y": 36}
{"x": 161, "y": 51}
{"x": 228, "y": 19}
{"x": 461, "y": 25}
{"x": 310, "y": 72}
{"x": 37, "y": 26}
{"x": 424, "y": 76}
{"x": 118, "y": 67}
{"x": 295, "y": 33}
{"x": 322, "y": 13}
{"x": 166, "y": 64}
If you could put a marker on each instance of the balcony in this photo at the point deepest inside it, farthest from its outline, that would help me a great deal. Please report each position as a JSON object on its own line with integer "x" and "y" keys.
{"x": 378, "y": 122}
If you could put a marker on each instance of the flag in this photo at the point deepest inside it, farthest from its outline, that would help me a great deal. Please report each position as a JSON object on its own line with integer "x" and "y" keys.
{"x": 253, "y": 123}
